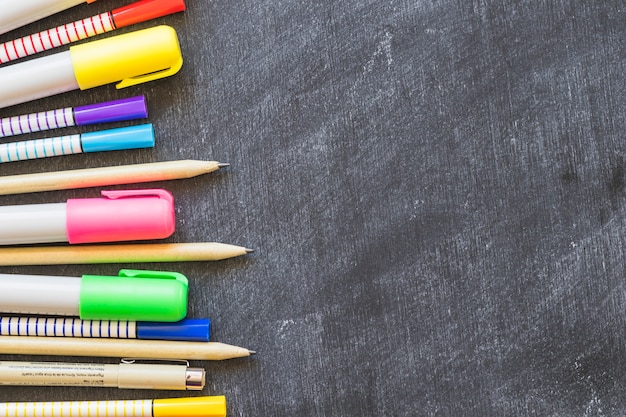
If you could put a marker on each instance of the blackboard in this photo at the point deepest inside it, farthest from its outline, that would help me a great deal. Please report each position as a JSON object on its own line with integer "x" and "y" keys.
{"x": 434, "y": 191}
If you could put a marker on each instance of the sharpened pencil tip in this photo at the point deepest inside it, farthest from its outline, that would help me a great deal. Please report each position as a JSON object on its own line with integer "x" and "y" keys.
{"x": 252, "y": 352}
{"x": 248, "y": 250}
{"x": 223, "y": 165}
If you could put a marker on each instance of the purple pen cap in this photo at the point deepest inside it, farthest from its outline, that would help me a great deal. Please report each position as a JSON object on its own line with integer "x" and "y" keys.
{"x": 111, "y": 111}
{"x": 191, "y": 330}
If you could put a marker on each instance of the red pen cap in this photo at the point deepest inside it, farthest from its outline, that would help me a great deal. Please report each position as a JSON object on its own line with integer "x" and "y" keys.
{"x": 121, "y": 215}
{"x": 143, "y": 10}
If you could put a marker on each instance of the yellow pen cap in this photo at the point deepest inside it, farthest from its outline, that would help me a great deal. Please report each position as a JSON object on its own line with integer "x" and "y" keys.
{"x": 212, "y": 406}
{"x": 132, "y": 58}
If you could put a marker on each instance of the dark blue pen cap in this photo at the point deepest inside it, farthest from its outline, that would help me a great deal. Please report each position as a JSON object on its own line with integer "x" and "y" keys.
{"x": 112, "y": 111}
{"x": 190, "y": 330}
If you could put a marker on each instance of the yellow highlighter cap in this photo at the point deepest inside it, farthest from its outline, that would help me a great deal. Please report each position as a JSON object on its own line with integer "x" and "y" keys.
{"x": 211, "y": 406}
{"x": 132, "y": 58}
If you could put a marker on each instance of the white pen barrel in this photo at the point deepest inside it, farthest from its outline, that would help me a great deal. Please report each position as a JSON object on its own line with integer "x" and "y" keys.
{"x": 51, "y": 38}
{"x": 36, "y": 294}
{"x": 113, "y": 408}
{"x": 40, "y": 148}
{"x": 37, "y": 78}
{"x": 35, "y": 223}
{"x": 124, "y": 375}
{"x": 21, "y": 12}
{"x": 67, "y": 327}
{"x": 35, "y": 122}
{"x": 58, "y": 374}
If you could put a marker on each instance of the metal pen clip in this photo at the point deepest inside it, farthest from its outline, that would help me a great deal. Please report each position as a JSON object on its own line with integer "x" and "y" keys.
{"x": 147, "y": 360}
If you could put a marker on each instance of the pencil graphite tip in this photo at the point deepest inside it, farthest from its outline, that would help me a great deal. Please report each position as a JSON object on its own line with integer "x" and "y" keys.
{"x": 248, "y": 250}
{"x": 223, "y": 165}
{"x": 252, "y": 352}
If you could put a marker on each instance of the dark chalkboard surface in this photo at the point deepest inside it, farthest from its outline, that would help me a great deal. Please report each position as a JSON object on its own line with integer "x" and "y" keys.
{"x": 435, "y": 191}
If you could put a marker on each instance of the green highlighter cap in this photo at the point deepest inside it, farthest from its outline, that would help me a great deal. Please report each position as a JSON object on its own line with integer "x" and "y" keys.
{"x": 135, "y": 296}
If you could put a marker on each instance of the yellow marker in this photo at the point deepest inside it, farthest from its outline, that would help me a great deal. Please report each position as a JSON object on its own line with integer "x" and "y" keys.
{"x": 213, "y": 406}
{"x": 129, "y": 59}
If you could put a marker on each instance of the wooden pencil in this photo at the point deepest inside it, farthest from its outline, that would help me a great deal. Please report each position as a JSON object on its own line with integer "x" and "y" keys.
{"x": 125, "y": 253}
{"x": 115, "y": 175}
{"x": 122, "y": 348}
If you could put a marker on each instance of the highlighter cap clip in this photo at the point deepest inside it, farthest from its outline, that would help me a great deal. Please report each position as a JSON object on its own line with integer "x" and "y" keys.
{"x": 129, "y": 59}
{"x": 122, "y": 215}
{"x": 134, "y": 295}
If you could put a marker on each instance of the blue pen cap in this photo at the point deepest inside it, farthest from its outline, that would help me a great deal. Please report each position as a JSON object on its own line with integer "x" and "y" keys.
{"x": 133, "y": 137}
{"x": 191, "y": 330}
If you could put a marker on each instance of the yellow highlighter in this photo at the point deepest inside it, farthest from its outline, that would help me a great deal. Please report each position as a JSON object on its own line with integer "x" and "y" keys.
{"x": 129, "y": 59}
{"x": 209, "y": 406}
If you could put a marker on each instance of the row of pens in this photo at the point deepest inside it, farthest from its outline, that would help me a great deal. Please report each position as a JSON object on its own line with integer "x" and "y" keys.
{"x": 137, "y": 314}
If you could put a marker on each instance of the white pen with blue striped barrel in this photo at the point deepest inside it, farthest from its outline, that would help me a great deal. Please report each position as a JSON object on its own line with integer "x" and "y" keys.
{"x": 133, "y": 137}
{"x": 105, "y": 112}
{"x": 192, "y": 330}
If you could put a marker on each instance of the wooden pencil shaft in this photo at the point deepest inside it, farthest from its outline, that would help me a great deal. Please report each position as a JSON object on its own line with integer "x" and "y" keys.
{"x": 96, "y": 177}
{"x": 122, "y": 348}
{"x": 100, "y": 254}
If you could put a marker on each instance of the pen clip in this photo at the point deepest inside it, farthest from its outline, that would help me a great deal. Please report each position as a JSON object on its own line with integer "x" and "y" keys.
{"x": 128, "y": 361}
{"x": 154, "y": 192}
{"x": 136, "y": 273}
{"x": 140, "y": 79}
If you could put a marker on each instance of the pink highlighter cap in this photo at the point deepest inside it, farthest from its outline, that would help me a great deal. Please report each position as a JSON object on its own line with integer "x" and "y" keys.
{"x": 121, "y": 215}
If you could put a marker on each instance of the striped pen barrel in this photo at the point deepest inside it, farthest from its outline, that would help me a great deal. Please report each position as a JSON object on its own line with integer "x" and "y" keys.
{"x": 191, "y": 330}
{"x": 51, "y": 38}
{"x": 40, "y": 148}
{"x": 29, "y": 123}
{"x": 82, "y": 29}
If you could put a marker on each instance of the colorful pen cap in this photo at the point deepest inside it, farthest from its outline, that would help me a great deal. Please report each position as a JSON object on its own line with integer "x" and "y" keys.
{"x": 112, "y": 111}
{"x": 190, "y": 330}
{"x": 134, "y": 295}
{"x": 132, "y": 137}
{"x": 211, "y": 406}
{"x": 143, "y": 10}
{"x": 120, "y": 216}
{"x": 132, "y": 58}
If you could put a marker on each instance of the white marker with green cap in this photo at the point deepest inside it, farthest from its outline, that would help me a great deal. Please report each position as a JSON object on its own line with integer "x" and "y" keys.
{"x": 133, "y": 295}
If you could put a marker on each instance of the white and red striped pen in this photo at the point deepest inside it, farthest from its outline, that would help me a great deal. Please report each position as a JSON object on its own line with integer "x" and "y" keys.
{"x": 95, "y": 25}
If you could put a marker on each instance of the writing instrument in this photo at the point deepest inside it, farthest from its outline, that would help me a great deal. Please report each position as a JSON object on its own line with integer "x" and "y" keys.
{"x": 189, "y": 330}
{"x": 97, "y": 177}
{"x": 120, "y": 348}
{"x": 137, "y": 12}
{"x": 129, "y": 59}
{"x": 118, "y": 216}
{"x": 110, "y": 111}
{"x": 132, "y": 137}
{"x": 19, "y": 13}
{"x": 127, "y": 375}
{"x": 132, "y": 295}
{"x": 214, "y": 406}
{"x": 107, "y": 254}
